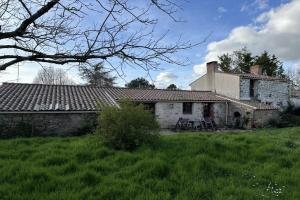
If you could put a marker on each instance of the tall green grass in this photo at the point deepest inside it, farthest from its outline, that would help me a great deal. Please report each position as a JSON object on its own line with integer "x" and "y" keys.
{"x": 251, "y": 165}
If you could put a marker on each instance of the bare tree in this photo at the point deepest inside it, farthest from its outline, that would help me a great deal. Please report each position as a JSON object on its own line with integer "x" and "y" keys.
{"x": 53, "y": 76}
{"x": 118, "y": 32}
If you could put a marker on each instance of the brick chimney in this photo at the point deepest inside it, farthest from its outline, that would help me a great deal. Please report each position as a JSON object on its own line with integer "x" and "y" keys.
{"x": 256, "y": 69}
{"x": 212, "y": 67}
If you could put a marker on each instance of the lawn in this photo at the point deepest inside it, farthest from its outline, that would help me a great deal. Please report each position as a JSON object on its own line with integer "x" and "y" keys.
{"x": 264, "y": 164}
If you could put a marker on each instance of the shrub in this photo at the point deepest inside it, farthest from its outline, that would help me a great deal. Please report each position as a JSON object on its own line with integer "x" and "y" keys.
{"x": 288, "y": 117}
{"x": 286, "y": 120}
{"x": 127, "y": 127}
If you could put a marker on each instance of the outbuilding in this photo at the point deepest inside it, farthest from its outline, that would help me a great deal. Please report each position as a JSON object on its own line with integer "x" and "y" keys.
{"x": 72, "y": 109}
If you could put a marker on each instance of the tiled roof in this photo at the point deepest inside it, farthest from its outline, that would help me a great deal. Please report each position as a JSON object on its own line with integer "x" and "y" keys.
{"x": 161, "y": 95}
{"x": 255, "y": 76}
{"x": 37, "y": 97}
{"x": 253, "y": 104}
{"x": 260, "y": 77}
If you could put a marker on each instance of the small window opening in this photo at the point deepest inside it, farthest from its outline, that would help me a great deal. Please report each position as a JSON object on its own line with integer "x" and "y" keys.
{"x": 187, "y": 108}
{"x": 150, "y": 107}
{"x": 251, "y": 88}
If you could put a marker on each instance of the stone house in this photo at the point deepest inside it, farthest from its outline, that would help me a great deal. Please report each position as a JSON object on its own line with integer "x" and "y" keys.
{"x": 254, "y": 97}
{"x": 248, "y": 100}
{"x": 72, "y": 109}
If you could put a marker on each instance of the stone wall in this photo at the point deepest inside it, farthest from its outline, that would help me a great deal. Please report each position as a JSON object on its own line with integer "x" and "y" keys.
{"x": 168, "y": 113}
{"x": 245, "y": 89}
{"x": 261, "y": 118}
{"x": 245, "y": 119}
{"x": 276, "y": 92}
{"x": 250, "y": 118}
{"x": 46, "y": 124}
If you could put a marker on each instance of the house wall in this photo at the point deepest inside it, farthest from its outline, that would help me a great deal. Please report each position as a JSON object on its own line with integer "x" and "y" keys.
{"x": 219, "y": 110}
{"x": 276, "y": 92}
{"x": 168, "y": 113}
{"x": 201, "y": 84}
{"x": 245, "y": 89}
{"x": 46, "y": 124}
{"x": 227, "y": 84}
{"x": 63, "y": 124}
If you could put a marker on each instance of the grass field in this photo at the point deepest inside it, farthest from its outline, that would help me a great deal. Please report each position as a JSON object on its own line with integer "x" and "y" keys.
{"x": 264, "y": 164}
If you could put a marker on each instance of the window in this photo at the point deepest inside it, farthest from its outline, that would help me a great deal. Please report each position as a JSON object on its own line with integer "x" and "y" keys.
{"x": 171, "y": 106}
{"x": 150, "y": 107}
{"x": 187, "y": 108}
{"x": 251, "y": 88}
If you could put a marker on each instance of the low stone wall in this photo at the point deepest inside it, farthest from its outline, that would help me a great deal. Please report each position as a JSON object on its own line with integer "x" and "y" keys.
{"x": 261, "y": 118}
{"x": 250, "y": 118}
{"x": 46, "y": 124}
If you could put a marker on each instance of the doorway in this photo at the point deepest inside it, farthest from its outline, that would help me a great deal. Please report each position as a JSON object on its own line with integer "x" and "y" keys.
{"x": 208, "y": 110}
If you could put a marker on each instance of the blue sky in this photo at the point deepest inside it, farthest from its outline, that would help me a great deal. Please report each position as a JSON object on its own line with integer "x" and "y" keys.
{"x": 230, "y": 24}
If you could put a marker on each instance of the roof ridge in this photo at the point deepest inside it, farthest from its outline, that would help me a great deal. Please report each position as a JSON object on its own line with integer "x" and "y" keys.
{"x": 94, "y": 86}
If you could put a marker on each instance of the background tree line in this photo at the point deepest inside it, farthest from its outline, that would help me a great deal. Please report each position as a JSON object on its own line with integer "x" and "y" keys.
{"x": 241, "y": 60}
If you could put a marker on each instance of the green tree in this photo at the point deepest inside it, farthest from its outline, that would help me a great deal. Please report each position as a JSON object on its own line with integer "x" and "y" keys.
{"x": 271, "y": 65}
{"x": 172, "y": 87}
{"x": 97, "y": 75}
{"x": 140, "y": 83}
{"x": 243, "y": 60}
{"x": 225, "y": 62}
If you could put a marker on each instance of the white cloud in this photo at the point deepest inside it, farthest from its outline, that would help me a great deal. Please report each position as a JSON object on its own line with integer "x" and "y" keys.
{"x": 221, "y": 9}
{"x": 163, "y": 79}
{"x": 277, "y": 31}
{"x": 256, "y": 5}
{"x": 295, "y": 68}
{"x": 200, "y": 69}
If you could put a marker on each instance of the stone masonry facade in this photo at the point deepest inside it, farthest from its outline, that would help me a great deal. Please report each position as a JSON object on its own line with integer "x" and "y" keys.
{"x": 245, "y": 89}
{"x": 274, "y": 92}
{"x": 168, "y": 113}
{"x": 63, "y": 124}
{"x": 250, "y": 118}
{"x": 46, "y": 124}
